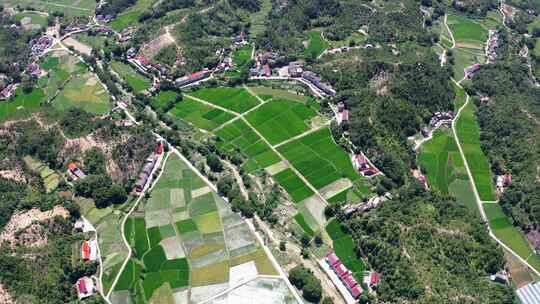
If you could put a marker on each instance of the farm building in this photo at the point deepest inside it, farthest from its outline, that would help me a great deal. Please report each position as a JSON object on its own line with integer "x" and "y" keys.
{"x": 503, "y": 181}
{"x": 295, "y": 68}
{"x": 470, "y": 70}
{"x": 7, "y": 91}
{"x": 441, "y": 118}
{"x": 343, "y": 274}
{"x": 529, "y": 294}
{"x": 189, "y": 79}
{"x": 85, "y": 287}
{"x": 363, "y": 165}
{"x": 316, "y": 81}
{"x": 145, "y": 174}
{"x": 75, "y": 171}
{"x": 89, "y": 250}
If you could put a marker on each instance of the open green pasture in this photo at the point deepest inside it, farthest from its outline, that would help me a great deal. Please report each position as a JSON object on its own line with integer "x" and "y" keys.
{"x": 344, "y": 247}
{"x": 69, "y": 8}
{"x": 279, "y": 120}
{"x": 468, "y": 132}
{"x": 319, "y": 159}
{"x": 242, "y": 56}
{"x": 235, "y": 99}
{"x": 467, "y": 31}
{"x": 136, "y": 81}
{"x": 239, "y": 136}
{"x": 296, "y": 188}
{"x": 267, "y": 92}
{"x": 30, "y": 20}
{"x": 22, "y": 105}
{"x": 130, "y": 17}
{"x": 163, "y": 98}
{"x": 510, "y": 235}
{"x": 316, "y": 45}
{"x": 83, "y": 91}
{"x": 464, "y": 58}
{"x": 445, "y": 171}
{"x": 199, "y": 114}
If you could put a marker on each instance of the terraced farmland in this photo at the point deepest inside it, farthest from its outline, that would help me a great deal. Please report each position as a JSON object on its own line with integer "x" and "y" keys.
{"x": 187, "y": 242}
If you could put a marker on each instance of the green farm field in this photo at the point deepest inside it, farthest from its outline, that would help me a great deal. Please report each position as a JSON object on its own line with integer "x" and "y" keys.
{"x": 319, "y": 159}
{"x": 136, "y": 81}
{"x": 466, "y": 31}
{"x": 22, "y": 105}
{"x": 510, "y": 235}
{"x": 130, "y": 17}
{"x": 344, "y": 248}
{"x": 163, "y": 98}
{"x": 267, "y": 93}
{"x": 31, "y": 20}
{"x": 445, "y": 171}
{"x": 468, "y": 132}
{"x": 296, "y": 188}
{"x": 199, "y": 114}
{"x": 83, "y": 91}
{"x": 69, "y": 8}
{"x": 242, "y": 56}
{"x": 235, "y": 99}
{"x": 316, "y": 45}
{"x": 239, "y": 136}
{"x": 279, "y": 120}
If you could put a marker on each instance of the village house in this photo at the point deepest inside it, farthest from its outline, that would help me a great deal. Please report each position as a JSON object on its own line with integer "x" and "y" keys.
{"x": 363, "y": 165}
{"x": 33, "y": 70}
{"x": 492, "y": 45}
{"x": 373, "y": 202}
{"x": 295, "y": 68}
{"x": 421, "y": 178}
{"x": 470, "y": 70}
{"x": 503, "y": 181}
{"x": 316, "y": 81}
{"x": 499, "y": 278}
{"x": 103, "y": 30}
{"x": 189, "y": 79}
{"x": 86, "y": 287}
{"x": 240, "y": 39}
{"x": 8, "y": 91}
{"x": 75, "y": 172}
{"x": 89, "y": 250}
{"x": 344, "y": 275}
{"x": 146, "y": 173}
{"x": 39, "y": 45}
{"x": 126, "y": 34}
{"x": 104, "y": 18}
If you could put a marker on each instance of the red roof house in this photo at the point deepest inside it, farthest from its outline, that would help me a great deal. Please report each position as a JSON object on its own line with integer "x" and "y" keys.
{"x": 81, "y": 286}
{"x": 85, "y": 249}
{"x": 332, "y": 259}
{"x": 159, "y": 148}
{"x": 373, "y": 279}
{"x": 143, "y": 60}
{"x": 267, "y": 70}
{"x": 340, "y": 269}
{"x": 345, "y": 115}
{"x": 349, "y": 281}
{"x": 356, "y": 291}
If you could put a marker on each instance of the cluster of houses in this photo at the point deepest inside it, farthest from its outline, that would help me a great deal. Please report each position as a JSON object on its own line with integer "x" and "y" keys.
{"x": 6, "y": 91}
{"x": 344, "y": 275}
{"x": 86, "y": 286}
{"x": 240, "y": 39}
{"x": 345, "y": 49}
{"x": 144, "y": 65}
{"x": 75, "y": 27}
{"x": 502, "y": 182}
{"x": 192, "y": 78}
{"x": 146, "y": 172}
{"x": 470, "y": 70}
{"x": 316, "y": 81}
{"x": 39, "y": 45}
{"x": 75, "y": 172}
{"x": 100, "y": 18}
{"x": 373, "y": 202}
{"x": 440, "y": 118}
{"x": 33, "y": 70}
{"x": 126, "y": 34}
{"x": 364, "y": 166}
{"x": 492, "y": 45}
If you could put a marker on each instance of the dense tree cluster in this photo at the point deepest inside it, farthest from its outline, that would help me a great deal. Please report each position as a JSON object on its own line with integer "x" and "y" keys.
{"x": 101, "y": 189}
{"x": 419, "y": 234}
{"x": 305, "y": 280}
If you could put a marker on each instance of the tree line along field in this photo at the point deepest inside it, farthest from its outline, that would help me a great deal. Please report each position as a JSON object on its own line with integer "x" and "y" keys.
{"x": 184, "y": 237}
{"x": 238, "y": 100}
{"x": 163, "y": 98}
{"x": 344, "y": 247}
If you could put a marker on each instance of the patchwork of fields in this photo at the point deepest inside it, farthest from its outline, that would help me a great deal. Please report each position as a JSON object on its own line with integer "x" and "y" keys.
{"x": 185, "y": 237}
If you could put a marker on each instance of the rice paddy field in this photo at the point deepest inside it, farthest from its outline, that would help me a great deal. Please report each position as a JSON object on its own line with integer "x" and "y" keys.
{"x": 296, "y": 188}
{"x": 468, "y": 132}
{"x": 315, "y": 45}
{"x": 344, "y": 248}
{"x": 185, "y": 238}
{"x": 467, "y": 33}
{"x": 200, "y": 115}
{"x": 70, "y": 8}
{"x": 136, "y": 81}
{"x": 238, "y": 136}
{"x": 280, "y": 119}
{"x": 445, "y": 171}
{"x": 235, "y": 99}
{"x": 267, "y": 93}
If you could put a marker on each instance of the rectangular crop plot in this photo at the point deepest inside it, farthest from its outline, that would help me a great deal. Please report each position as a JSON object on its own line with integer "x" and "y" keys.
{"x": 235, "y": 99}
{"x": 279, "y": 120}
{"x": 296, "y": 188}
{"x": 467, "y": 31}
{"x": 319, "y": 159}
{"x": 200, "y": 115}
{"x": 239, "y": 136}
{"x": 468, "y": 132}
